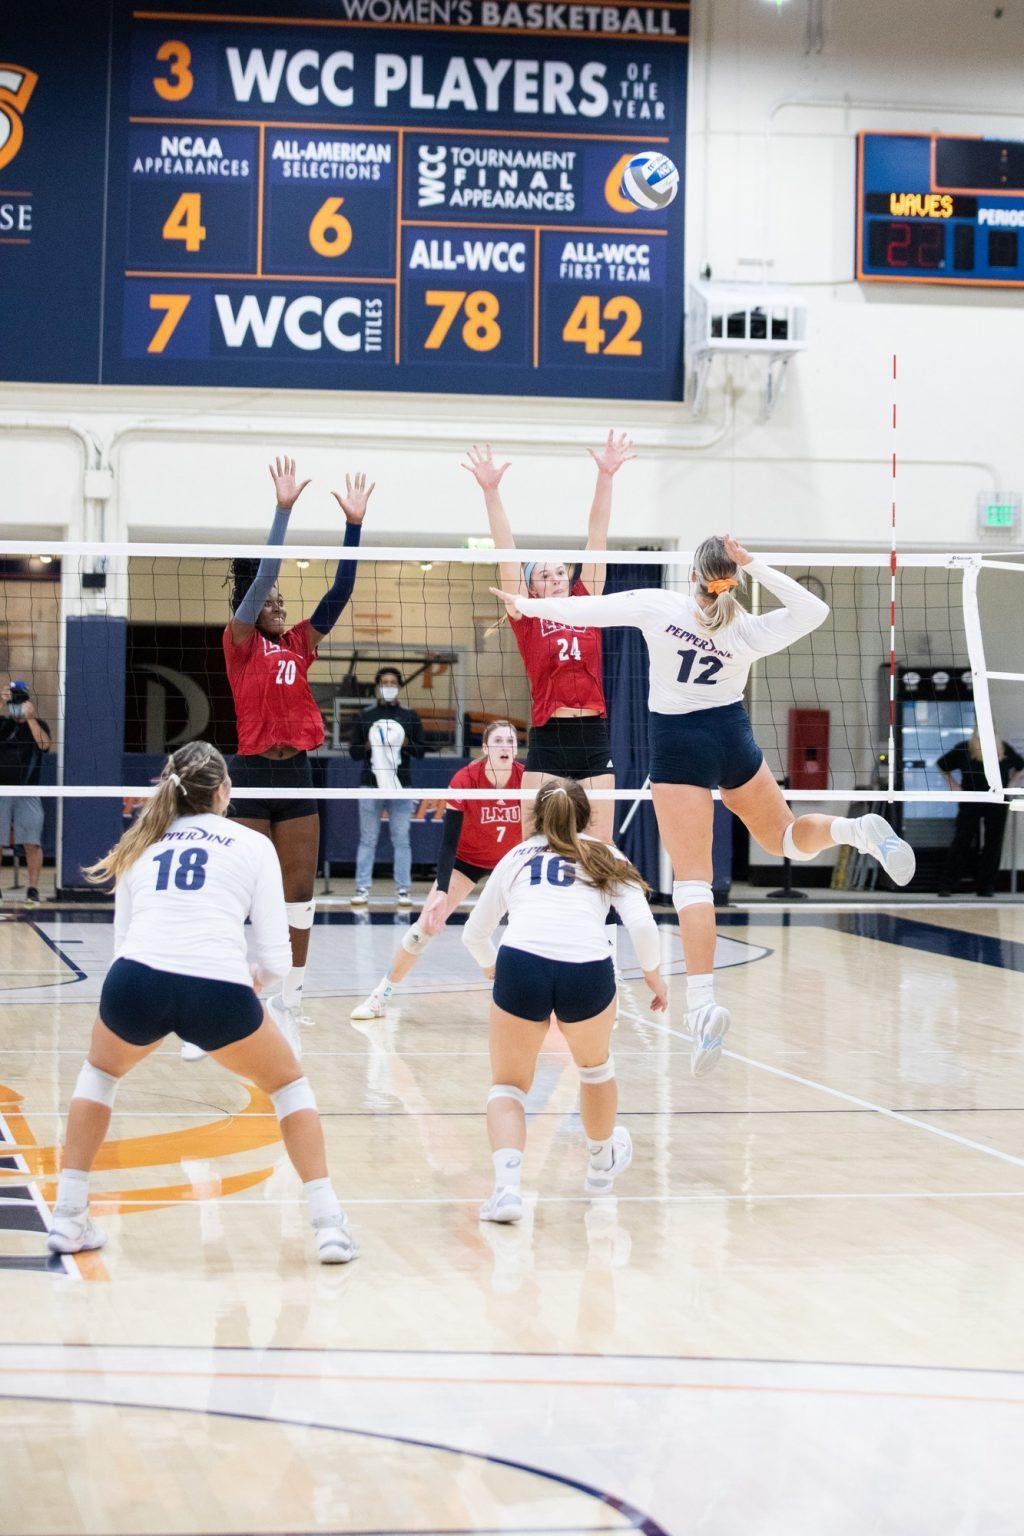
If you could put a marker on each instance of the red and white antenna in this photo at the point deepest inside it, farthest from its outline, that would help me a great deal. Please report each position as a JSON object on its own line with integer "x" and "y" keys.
{"x": 892, "y": 603}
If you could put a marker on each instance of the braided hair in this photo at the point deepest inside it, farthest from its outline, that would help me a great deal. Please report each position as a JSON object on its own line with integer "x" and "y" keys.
{"x": 242, "y": 575}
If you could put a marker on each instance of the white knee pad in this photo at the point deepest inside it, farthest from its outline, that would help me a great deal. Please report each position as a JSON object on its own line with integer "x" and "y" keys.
{"x": 600, "y": 1074}
{"x": 691, "y": 893}
{"x": 300, "y": 913}
{"x": 98, "y": 1086}
{"x": 506, "y": 1091}
{"x": 790, "y": 849}
{"x": 293, "y": 1097}
{"x": 415, "y": 940}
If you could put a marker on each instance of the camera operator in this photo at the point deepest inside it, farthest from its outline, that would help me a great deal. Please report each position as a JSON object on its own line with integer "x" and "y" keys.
{"x": 23, "y": 740}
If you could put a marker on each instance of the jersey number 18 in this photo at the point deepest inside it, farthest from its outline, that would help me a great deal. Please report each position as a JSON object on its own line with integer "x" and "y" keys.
{"x": 190, "y": 874}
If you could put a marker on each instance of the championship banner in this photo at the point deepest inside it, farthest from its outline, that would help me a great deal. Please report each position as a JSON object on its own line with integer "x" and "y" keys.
{"x": 418, "y": 195}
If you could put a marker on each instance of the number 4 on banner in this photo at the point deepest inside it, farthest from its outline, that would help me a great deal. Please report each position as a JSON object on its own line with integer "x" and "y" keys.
{"x": 174, "y": 306}
{"x": 184, "y": 222}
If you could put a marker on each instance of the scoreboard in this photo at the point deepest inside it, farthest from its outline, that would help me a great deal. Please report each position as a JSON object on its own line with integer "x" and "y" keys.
{"x": 938, "y": 209}
{"x": 415, "y": 195}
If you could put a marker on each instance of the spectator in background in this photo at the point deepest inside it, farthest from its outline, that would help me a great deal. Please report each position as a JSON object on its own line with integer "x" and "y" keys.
{"x": 23, "y": 740}
{"x": 386, "y": 737}
{"x": 976, "y": 821}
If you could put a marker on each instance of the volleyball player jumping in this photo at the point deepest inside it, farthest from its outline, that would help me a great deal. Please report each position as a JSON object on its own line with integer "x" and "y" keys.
{"x": 187, "y": 881}
{"x": 278, "y": 719}
{"x": 475, "y": 836}
{"x": 569, "y": 717}
{"x": 701, "y": 649}
{"x": 557, "y": 888}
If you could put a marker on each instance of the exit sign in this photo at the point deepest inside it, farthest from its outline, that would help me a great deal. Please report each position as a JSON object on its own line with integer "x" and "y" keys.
{"x": 999, "y": 514}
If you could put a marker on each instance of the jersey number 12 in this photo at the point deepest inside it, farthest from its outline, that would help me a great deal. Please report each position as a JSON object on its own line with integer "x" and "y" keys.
{"x": 709, "y": 667}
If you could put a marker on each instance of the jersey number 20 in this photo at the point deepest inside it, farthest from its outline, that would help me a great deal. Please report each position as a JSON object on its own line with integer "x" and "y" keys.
{"x": 190, "y": 874}
{"x": 285, "y": 672}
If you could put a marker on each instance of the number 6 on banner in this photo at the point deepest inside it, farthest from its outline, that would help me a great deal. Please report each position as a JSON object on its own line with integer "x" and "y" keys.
{"x": 174, "y": 306}
{"x": 330, "y": 233}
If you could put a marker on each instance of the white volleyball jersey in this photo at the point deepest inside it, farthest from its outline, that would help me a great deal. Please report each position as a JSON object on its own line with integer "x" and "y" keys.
{"x": 182, "y": 906}
{"x": 690, "y": 668}
{"x": 554, "y": 911}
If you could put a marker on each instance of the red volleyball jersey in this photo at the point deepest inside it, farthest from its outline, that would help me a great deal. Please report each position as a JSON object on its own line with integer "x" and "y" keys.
{"x": 273, "y": 704}
{"x": 563, "y": 664}
{"x": 489, "y": 828}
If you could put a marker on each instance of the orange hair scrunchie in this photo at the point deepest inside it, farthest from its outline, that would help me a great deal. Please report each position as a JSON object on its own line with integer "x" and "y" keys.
{"x": 723, "y": 585}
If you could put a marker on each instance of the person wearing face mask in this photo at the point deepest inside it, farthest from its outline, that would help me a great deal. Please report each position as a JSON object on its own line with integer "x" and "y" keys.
{"x": 476, "y": 835}
{"x": 569, "y": 716}
{"x": 385, "y": 738}
{"x": 23, "y": 740}
{"x": 279, "y": 721}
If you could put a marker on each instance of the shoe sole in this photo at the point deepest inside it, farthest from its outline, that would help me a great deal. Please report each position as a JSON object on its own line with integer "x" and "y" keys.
{"x": 336, "y": 1254}
{"x": 505, "y": 1218}
{"x": 364, "y": 1013}
{"x": 901, "y": 864}
{"x": 707, "y": 1053}
{"x": 602, "y": 1183}
{"x": 63, "y": 1245}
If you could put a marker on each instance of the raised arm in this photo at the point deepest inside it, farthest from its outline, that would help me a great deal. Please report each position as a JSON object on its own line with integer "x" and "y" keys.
{"x": 331, "y": 606}
{"x": 620, "y": 608}
{"x": 488, "y": 476}
{"x": 288, "y": 490}
{"x": 802, "y": 611}
{"x": 609, "y": 459}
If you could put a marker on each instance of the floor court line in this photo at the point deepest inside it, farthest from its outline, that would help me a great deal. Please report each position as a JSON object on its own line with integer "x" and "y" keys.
{"x": 570, "y": 1383}
{"x": 98, "y": 1202}
{"x": 852, "y": 1098}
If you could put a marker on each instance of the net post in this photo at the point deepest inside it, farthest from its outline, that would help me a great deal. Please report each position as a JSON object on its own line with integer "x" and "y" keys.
{"x": 979, "y": 675}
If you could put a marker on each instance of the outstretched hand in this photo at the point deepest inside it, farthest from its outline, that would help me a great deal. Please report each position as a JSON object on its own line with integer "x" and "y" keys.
{"x": 356, "y": 498}
{"x": 734, "y": 549}
{"x": 659, "y": 990}
{"x": 615, "y": 452}
{"x": 482, "y": 467}
{"x": 282, "y": 472}
{"x": 511, "y": 601}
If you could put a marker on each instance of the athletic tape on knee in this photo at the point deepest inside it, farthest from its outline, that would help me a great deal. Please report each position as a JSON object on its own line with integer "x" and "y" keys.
{"x": 293, "y": 1097}
{"x": 98, "y": 1086}
{"x": 300, "y": 913}
{"x": 416, "y": 941}
{"x": 506, "y": 1091}
{"x": 600, "y": 1074}
{"x": 691, "y": 893}
{"x": 790, "y": 849}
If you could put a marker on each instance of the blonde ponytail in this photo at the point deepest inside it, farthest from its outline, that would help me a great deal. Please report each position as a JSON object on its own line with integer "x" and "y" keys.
{"x": 561, "y": 812}
{"x": 711, "y": 564}
{"x": 186, "y": 787}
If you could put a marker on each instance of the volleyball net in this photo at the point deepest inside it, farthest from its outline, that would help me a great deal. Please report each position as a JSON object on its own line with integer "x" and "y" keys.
{"x": 121, "y": 649}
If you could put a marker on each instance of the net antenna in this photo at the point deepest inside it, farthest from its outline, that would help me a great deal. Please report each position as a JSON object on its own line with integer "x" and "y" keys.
{"x": 764, "y": 322}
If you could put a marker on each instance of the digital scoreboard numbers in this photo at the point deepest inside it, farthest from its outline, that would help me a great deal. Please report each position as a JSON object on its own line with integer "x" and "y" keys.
{"x": 398, "y": 207}
{"x": 938, "y": 209}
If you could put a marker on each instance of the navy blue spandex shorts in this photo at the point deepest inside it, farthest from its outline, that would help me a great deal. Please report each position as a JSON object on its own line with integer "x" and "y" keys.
{"x": 141, "y": 1005}
{"x": 710, "y": 748}
{"x": 533, "y": 987}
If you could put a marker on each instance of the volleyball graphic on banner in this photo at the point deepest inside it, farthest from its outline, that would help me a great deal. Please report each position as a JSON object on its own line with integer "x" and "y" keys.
{"x": 650, "y": 181}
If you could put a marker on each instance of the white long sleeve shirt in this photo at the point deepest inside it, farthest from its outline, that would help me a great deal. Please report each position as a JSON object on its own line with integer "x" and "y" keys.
{"x": 553, "y": 911}
{"x": 690, "y": 668}
{"x": 182, "y": 906}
